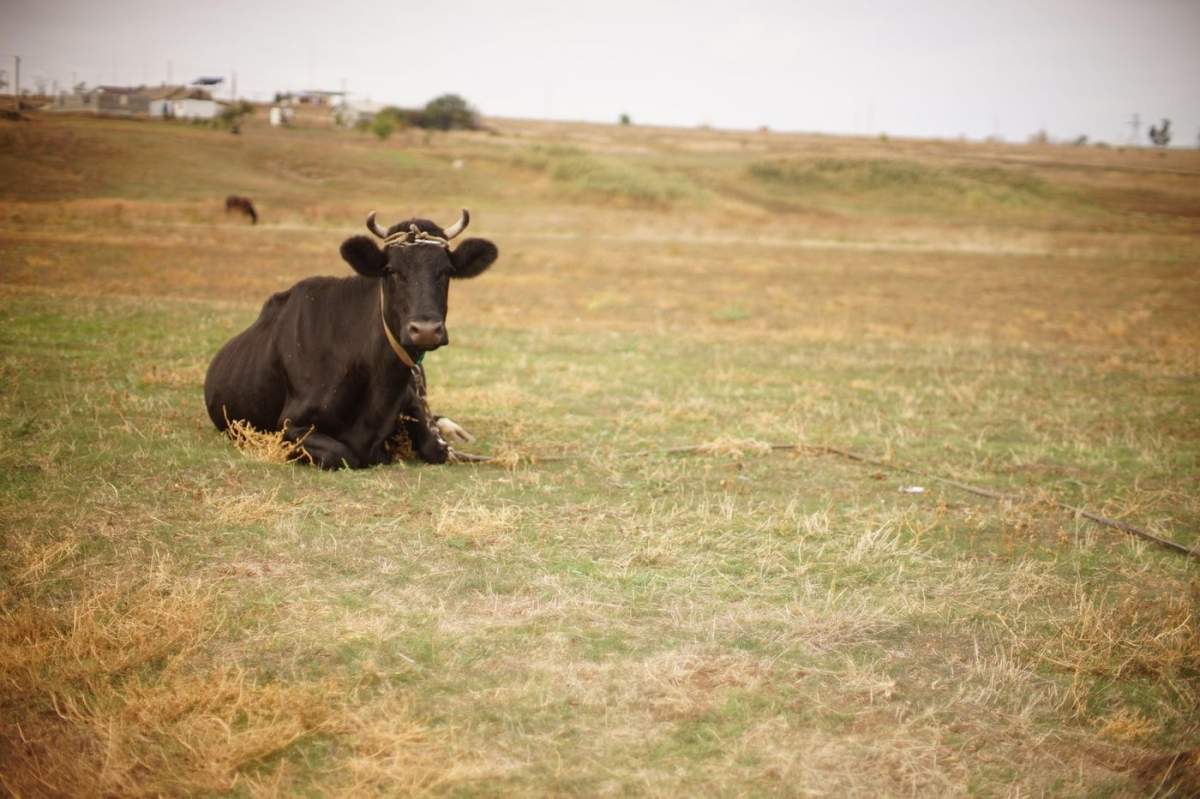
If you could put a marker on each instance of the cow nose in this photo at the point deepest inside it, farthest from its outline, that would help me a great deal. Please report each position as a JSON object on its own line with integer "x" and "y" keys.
{"x": 426, "y": 335}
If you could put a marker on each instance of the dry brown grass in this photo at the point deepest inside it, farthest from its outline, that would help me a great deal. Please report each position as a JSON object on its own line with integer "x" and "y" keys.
{"x": 1154, "y": 637}
{"x": 268, "y": 447}
{"x": 106, "y": 632}
{"x": 727, "y": 624}
{"x": 108, "y": 693}
{"x": 1171, "y": 776}
{"x": 1128, "y": 726}
{"x": 184, "y": 734}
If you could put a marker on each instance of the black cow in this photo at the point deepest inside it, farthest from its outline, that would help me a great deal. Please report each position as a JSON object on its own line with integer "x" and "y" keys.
{"x": 243, "y": 205}
{"x": 334, "y": 362}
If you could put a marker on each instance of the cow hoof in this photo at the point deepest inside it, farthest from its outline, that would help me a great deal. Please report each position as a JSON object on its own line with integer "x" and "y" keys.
{"x": 436, "y": 452}
{"x": 453, "y": 431}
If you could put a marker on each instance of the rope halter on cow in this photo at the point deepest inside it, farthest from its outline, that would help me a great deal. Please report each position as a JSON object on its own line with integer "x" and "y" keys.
{"x": 414, "y": 235}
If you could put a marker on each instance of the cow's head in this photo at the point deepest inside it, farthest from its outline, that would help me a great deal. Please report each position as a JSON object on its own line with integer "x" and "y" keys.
{"x": 416, "y": 265}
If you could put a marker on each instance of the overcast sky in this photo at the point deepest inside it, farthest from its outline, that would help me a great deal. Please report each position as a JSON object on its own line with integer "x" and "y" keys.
{"x": 913, "y": 68}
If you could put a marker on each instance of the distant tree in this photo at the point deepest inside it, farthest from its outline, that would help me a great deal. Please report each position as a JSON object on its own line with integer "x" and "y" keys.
{"x": 625, "y": 120}
{"x": 383, "y": 126}
{"x": 449, "y": 111}
{"x": 1041, "y": 137}
{"x": 231, "y": 115}
{"x": 401, "y": 117}
{"x": 1161, "y": 136}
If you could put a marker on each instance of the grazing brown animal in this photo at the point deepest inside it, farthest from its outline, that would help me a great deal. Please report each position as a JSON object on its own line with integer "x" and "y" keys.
{"x": 242, "y": 204}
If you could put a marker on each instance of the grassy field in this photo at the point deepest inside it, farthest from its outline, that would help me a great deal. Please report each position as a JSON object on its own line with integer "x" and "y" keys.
{"x": 598, "y": 616}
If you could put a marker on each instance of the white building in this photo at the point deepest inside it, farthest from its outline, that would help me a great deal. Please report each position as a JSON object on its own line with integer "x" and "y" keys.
{"x": 352, "y": 112}
{"x": 281, "y": 115}
{"x": 192, "y": 108}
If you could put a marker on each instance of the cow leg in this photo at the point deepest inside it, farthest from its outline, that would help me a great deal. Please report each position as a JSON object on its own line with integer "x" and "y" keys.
{"x": 326, "y": 451}
{"x": 429, "y": 446}
{"x": 420, "y": 425}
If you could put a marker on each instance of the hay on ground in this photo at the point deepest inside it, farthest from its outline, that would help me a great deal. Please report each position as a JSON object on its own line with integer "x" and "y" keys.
{"x": 269, "y": 447}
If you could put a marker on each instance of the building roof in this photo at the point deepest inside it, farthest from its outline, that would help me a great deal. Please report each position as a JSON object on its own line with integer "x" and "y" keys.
{"x": 363, "y": 106}
{"x": 165, "y": 92}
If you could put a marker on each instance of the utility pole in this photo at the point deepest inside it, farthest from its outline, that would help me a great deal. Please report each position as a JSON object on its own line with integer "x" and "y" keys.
{"x": 233, "y": 86}
{"x": 17, "y": 82}
{"x": 1135, "y": 124}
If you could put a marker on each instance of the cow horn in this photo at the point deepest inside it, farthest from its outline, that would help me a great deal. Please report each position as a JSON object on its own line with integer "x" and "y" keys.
{"x": 374, "y": 228}
{"x": 459, "y": 226}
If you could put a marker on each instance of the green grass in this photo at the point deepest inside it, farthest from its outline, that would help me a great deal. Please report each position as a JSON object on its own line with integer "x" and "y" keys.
{"x": 177, "y": 617}
{"x": 605, "y": 177}
{"x": 914, "y": 187}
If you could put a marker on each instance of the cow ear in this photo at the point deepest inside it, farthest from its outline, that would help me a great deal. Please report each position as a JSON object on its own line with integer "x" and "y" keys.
{"x": 473, "y": 257}
{"x": 366, "y": 258}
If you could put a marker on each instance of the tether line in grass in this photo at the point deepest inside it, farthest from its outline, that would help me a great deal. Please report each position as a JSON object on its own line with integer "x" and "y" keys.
{"x": 821, "y": 449}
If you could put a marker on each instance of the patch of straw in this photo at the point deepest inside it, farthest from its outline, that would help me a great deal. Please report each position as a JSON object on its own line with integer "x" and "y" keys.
{"x": 106, "y": 694}
{"x": 1128, "y": 726}
{"x": 1133, "y": 637}
{"x": 268, "y": 447}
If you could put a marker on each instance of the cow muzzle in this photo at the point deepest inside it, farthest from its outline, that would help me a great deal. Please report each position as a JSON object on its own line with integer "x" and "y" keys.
{"x": 426, "y": 334}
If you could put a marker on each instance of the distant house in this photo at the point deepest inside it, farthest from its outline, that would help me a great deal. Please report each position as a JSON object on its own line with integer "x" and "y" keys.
{"x": 195, "y": 108}
{"x": 117, "y": 101}
{"x": 159, "y": 99}
{"x": 354, "y": 112}
{"x": 319, "y": 97}
{"x": 156, "y": 102}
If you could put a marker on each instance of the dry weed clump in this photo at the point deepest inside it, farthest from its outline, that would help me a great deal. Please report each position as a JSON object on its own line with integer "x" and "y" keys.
{"x": 182, "y": 734}
{"x": 38, "y": 559}
{"x": 216, "y": 732}
{"x": 478, "y": 523}
{"x": 246, "y": 506}
{"x": 1132, "y": 637}
{"x": 268, "y": 447}
{"x": 58, "y": 656}
{"x": 1127, "y": 726}
{"x": 104, "y": 634}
